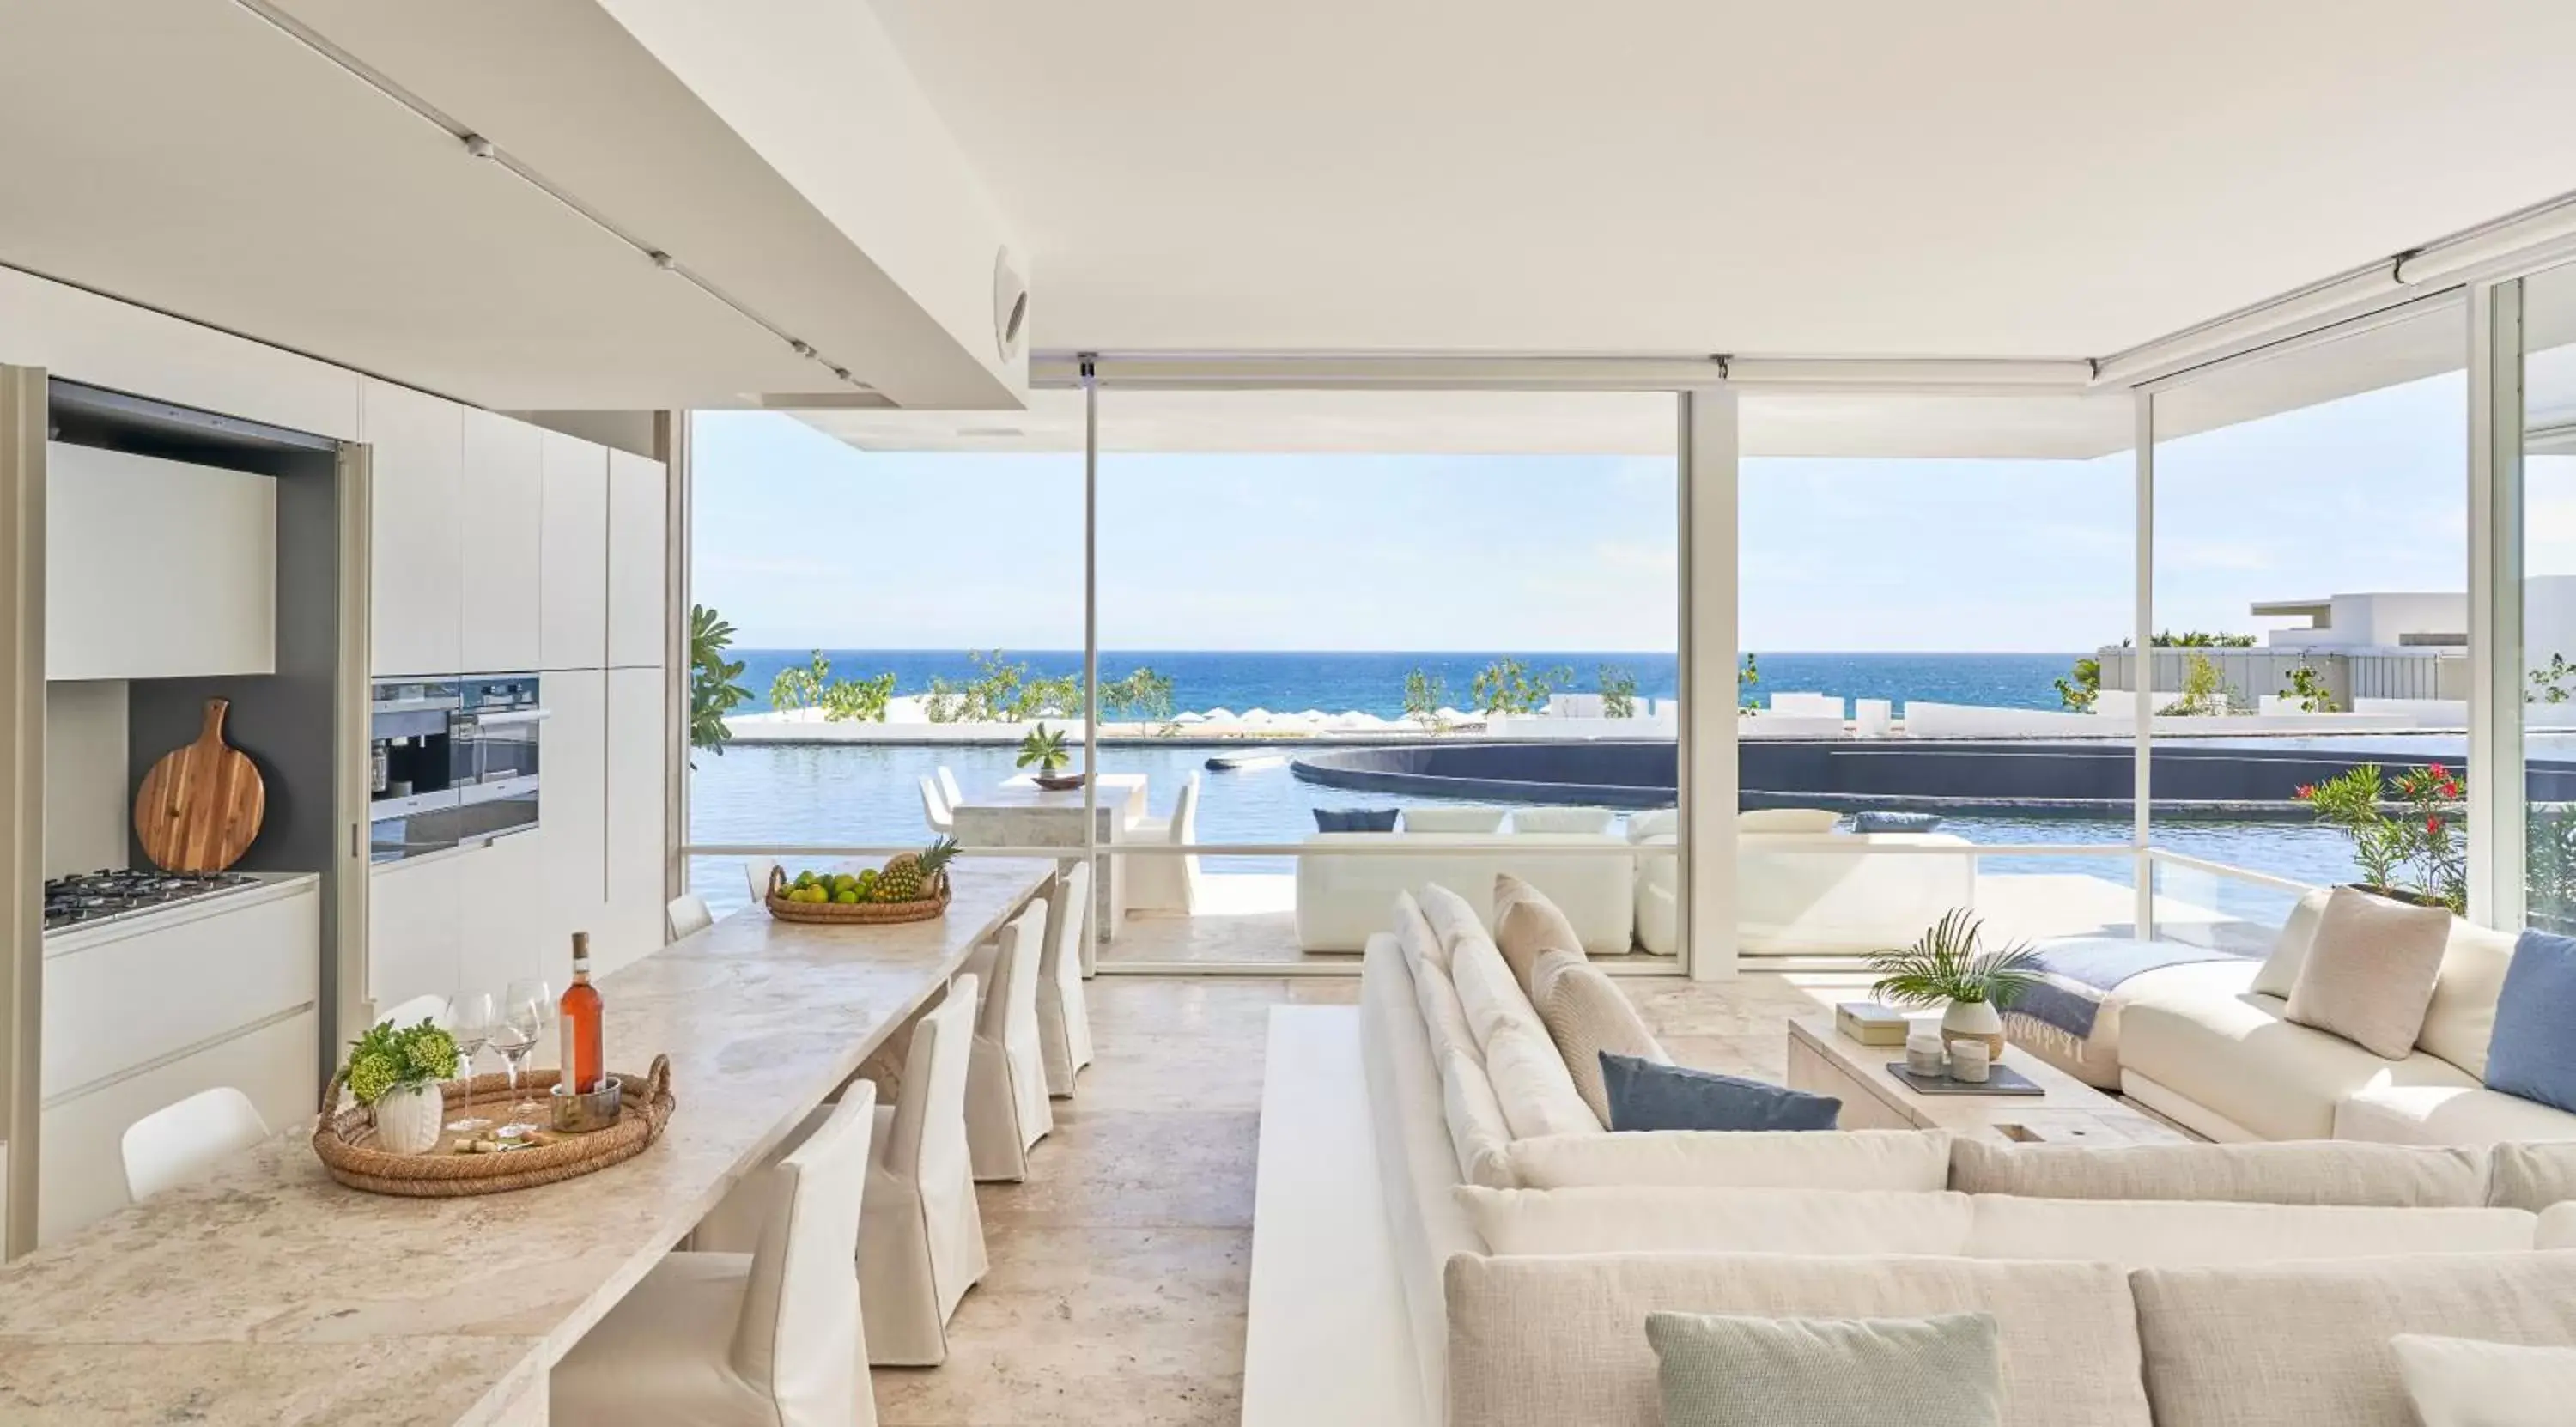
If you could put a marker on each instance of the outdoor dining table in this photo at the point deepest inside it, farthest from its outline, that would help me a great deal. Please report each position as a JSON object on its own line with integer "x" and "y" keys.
{"x": 1019, "y": 813}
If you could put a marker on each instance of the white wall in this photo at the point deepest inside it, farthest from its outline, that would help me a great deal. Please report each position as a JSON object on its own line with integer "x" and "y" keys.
{"x": 86, "y": 803}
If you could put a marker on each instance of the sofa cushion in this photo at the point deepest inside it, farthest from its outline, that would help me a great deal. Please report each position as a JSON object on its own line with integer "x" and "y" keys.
{"x": 1586, "y": 1014}
{"x": 2557, "y": 1228}
{"x": 1528, "y": 926}
{"x": 1477, "y": 1129}
{"x": 1668, "y": 1219}
{"x": 1649, "y": 1095}
{"x": 1453, "y": 819}
{"x": 2531, "y": 1176}
{"x": 2304, "y": 1172}
{"x": 1722, "y": 1370}
{"x": 2369, "y": 977}
{"x": 1453, "y": 918}
{"x": 1546, "y": 1342}
{"x": 1533, "y": 1086}
{"x": 1444, "y": 1020}
{"x": 2461, "y": 1382}
{"x": 2446, "y": 1115}
{"x": 1417, "y": 1162}
{"x": 2296, "y": 1345}
{"x": 1415, "y": 938}
{"x": 1590, "y": 820}
{"x": 2461, "y": 1018}
{"x": 1916, "y": 1160}
{"x": 1790, "y": 820}
{"x": 1654, "y": 822}
{"x": 2238, "y": 1057}
{"x": 2280, "y": 973}
{"x": 2178, "y": 1233}
{"x": 1355, "y": 819}
{"x": 2533, "y": 1054}
{"x": 1488, "y": 991}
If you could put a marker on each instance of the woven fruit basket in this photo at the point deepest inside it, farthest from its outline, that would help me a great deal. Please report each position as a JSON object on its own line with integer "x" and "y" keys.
{"x": 857, "y": 914}
{"x": 345, "y": 1141}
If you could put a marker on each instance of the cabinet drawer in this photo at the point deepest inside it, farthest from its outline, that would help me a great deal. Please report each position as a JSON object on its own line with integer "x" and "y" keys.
{"x": 113, "y": 1002}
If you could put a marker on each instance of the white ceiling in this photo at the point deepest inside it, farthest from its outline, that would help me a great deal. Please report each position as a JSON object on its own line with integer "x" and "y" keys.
{"x": 1870, "y": 177}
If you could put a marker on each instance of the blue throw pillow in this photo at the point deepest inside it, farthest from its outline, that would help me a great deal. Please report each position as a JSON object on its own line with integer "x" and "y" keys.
{"x": 2533, "y": 1051}
{"x": 1650, "y": 1095}
{"x": 1880, "y": 821}
{"x": 1354, "y": 819}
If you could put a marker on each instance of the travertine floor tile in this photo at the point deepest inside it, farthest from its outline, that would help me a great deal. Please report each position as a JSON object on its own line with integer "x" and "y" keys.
{"x": 1136, "y": 1168}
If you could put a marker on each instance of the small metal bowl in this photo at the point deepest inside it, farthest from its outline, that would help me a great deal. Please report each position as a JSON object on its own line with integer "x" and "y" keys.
{"x": 577, "y": 1114}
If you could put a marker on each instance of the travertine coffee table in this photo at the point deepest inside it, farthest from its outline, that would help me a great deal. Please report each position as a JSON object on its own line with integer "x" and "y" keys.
{"x": 1825, "y": 1062}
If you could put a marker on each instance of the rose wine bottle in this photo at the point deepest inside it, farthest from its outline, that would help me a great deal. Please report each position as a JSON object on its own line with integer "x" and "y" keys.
{"x": 578, "y": 1017}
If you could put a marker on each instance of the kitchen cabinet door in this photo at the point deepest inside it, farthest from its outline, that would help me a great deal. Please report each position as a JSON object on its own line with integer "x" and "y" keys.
{"x": 414, "y": 929}
{"x": 573, "y": 596}
{"x": 503, "y": 530}
{"x": 635, "y": 818}
{"x": 506, "y": 931}
{"x": 573, "y": 811}
{"x": 638, "y": 523}
{"x": 416, "y": 531}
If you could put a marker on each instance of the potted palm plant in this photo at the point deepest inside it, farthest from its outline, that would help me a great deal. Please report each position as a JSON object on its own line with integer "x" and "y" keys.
{"x": 1043, "y": 750}
{"x": 1948, "y": 966}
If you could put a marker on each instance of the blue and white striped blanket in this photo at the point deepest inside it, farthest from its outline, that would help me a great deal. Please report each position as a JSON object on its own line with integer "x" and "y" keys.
{"x": 2077, "y": 972}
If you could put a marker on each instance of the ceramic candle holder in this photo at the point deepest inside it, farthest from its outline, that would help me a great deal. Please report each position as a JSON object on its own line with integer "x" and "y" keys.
{"x": 1969, "y": 1064}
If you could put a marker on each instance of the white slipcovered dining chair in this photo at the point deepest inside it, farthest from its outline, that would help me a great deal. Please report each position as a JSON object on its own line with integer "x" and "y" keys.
{"x": 767, "y": 1339}
{"x": 755, "y": 875}
{"x": 415, "y": 1011}
{"x": 936, "y": 809}
{"x": 688, "y": 914}
{"x": 1064, "y": 1011}
{"x": 180, "y": 1141}
{"x": 1167, "y": 883}
{"x": 1006, "y": 1087}
{"x": 921, "y": 1241}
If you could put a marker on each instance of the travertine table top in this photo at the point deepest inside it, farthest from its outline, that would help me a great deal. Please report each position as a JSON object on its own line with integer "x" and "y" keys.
{"x": 310, "y": 1280}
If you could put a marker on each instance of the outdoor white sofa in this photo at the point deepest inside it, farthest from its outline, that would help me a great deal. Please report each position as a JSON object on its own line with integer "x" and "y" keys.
{"x": 1810, "y": 892}
{"x": 1342, "y": 898}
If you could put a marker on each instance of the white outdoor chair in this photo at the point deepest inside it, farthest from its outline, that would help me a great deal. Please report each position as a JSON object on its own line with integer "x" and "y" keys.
{"x": 1064, "y": 1012}
{"x": 688, "y": 914}
{"x": 936, "y": 809}
{"x": 921, "y": 1241}
{"x": 1006, "y": 1085}
{"x": 179, "y": 1142}
{"x": 1167, "y": 883}
{"x": 948, "y": 792}
{"x": 767, "y": 1339}
{"x": 415, "y": 1011}
{"x": 755, "y": 875}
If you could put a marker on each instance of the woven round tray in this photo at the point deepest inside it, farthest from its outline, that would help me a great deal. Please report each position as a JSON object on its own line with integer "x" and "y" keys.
{"x": 856, "y": 914}
{"x": 346, "y": 1141}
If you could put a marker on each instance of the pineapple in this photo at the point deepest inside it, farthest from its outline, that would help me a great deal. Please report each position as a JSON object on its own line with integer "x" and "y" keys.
{"x": 909, "y": 876}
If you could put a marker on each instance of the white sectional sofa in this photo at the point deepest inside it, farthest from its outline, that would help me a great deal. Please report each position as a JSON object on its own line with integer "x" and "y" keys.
{"x": 2210, "y": 1047}
{"x": 1343, "y": 891}
{"x": 1818, "y": 890}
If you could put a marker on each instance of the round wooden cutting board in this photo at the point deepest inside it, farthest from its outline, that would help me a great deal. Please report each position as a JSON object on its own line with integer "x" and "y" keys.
{"x": 199, "y": 808}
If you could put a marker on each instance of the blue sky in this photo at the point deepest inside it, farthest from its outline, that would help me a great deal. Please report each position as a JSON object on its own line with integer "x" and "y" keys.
{"x": 803, "y": 541}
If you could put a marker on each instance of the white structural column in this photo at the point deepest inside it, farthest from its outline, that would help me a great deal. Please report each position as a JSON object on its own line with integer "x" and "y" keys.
{"x": 2143, "y": 697}
{"x": 2495, "y": 606}
{"x": 1708, "y": 662}
{"x": 23, "y": 411}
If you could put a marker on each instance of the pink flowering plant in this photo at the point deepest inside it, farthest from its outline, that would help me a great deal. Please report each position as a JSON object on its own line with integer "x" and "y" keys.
{"x": 2405, "y": 831}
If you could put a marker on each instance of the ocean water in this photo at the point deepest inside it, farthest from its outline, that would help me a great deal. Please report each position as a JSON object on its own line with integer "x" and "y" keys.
{"x": 1373, "y": 682}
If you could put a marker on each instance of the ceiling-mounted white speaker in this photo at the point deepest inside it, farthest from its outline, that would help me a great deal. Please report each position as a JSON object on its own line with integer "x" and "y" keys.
{"x": 1010, "y": 307}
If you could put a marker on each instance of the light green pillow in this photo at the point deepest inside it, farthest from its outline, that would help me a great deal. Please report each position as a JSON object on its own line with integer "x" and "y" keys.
{"x": 1718, "y": 1370}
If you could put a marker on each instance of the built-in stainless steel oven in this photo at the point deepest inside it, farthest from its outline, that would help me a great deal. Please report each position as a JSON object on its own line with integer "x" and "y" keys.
{"x": 412, "y": 806}
{"x": 493, "y": 753}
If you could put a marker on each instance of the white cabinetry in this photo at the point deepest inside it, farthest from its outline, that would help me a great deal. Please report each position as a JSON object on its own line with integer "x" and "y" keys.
{"x": 574, "y": 816}
{"x": 415, "y": 914}
{"x": 502, "y": 542}
{"x": 637, "y": 556}
{"x": 157, "y": 569}
{"x": 503, "y": 933}
{"x": 635, "y": 818}
{"x": 417, "y": 530}
{"x": 574, "y": 598}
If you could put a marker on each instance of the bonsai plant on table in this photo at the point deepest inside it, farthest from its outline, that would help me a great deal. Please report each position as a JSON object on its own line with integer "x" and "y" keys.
{"x": 394, "y": 1071}
{"x": 1947, "y": 965}
{"x": 1043, "y": 750}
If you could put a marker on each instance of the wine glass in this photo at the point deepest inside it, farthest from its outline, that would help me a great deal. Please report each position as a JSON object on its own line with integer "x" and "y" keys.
{"x": 527, "y": 1013}
{"x": 471, "y": 1016}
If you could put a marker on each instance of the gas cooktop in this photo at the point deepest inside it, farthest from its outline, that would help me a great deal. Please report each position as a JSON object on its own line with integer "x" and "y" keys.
{"x": 100, "y": 896}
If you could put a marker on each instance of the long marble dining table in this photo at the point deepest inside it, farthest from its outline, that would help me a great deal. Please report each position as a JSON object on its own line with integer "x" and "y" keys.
{"x": 268, "y": 1293}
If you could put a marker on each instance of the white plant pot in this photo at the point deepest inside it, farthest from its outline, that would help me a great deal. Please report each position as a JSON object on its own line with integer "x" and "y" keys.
{"x": 1974, "y": 1021}
{"x": 408, "y": 1119}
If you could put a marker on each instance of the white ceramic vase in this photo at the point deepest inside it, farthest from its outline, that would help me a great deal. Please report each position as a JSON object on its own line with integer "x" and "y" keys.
{"x": 1975, "y": 1021}
{"x": 408, "y": 1118}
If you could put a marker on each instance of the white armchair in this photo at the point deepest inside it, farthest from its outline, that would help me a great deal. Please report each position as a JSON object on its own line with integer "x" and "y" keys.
{"x": 1006, "y": 1088}
{"x": 1064, "y": 1013}
{"x": 1165, "y": 883}
{"x": 936, "y": 809}
{"x": 766, "y": 1339}
{"x": 921, "y": 1241}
